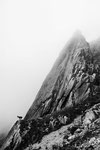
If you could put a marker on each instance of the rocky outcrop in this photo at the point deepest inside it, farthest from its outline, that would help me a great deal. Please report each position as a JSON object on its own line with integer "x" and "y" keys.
{"x": 66, "y": 112}
{"x": 2, "y": 138}
{"x": 57, "y": 91}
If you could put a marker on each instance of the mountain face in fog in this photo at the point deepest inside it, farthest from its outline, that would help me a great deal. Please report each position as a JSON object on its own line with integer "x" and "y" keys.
{"x": 66, "y": 112}
{"x": 57, "y": 85}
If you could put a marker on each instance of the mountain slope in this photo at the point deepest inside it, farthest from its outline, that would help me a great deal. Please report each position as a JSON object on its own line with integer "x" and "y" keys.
{"x": 54, "y": 87}
{"x": 66, "y": 112}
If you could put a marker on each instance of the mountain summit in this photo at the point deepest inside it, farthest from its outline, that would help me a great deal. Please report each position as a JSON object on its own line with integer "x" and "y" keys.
{"x": 49, "y": 98}
{"x": 65, "y": 114}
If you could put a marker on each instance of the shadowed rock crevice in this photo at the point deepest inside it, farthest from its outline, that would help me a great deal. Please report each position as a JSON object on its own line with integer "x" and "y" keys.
{"x": 67, "y": 107}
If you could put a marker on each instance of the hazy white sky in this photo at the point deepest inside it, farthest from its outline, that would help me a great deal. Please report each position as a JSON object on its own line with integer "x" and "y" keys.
{"x": 32, "y": 33}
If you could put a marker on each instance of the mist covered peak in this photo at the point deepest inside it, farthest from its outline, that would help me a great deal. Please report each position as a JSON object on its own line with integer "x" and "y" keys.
{"x": 45, "y": 102}
{"x": 66, "y": 111}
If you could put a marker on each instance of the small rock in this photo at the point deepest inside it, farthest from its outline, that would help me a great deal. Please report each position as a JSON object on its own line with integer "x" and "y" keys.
{"x": 71, "y": 137}
{"x": 92, "y": 140}
{"x": 78, "y": 130}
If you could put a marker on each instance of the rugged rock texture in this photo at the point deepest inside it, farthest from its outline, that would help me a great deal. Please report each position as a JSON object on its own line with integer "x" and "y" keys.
{"x": 56, "y": 92}
{"x": 2, "y": 138}
{"x": 66, "y": 112}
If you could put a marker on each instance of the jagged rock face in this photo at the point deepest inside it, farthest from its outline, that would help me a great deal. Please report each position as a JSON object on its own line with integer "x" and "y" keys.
{"x": 69, "y": 76}
{"x": 66, "y": 112}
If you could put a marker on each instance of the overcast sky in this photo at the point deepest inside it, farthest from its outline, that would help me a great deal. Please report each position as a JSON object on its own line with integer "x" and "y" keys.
{"x": 32, "y": 33}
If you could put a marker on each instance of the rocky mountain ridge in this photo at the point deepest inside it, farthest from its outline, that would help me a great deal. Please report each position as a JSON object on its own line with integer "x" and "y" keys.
{"x": 66, "y": 112}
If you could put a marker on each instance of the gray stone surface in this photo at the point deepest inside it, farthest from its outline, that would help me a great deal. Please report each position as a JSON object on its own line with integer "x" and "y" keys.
{"x": 66, "y": 112}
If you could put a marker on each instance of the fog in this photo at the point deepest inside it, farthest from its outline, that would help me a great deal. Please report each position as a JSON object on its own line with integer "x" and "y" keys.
{"x": 32, "y": 33}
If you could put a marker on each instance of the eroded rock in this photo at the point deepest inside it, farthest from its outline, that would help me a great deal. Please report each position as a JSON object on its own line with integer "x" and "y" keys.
{"x": 66, "y": 112}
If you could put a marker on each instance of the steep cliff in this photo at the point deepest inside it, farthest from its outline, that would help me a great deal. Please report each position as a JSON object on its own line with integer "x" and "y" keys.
{"x": 66, "y": 111}
{"x": 55, "y": 92}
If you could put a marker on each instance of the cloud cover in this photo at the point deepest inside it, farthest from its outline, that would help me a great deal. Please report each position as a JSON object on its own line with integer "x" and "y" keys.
{"x": 32, "y": 33}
